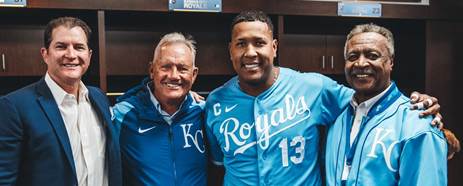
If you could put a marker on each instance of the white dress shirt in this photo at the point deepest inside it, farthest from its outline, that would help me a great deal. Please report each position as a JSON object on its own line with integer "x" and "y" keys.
{"x": 361, "y": 110}
{"x": 85, "y": 132}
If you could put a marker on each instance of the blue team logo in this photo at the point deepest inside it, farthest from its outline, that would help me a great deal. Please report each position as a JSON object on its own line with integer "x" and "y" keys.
{"x": 269, "y": 124}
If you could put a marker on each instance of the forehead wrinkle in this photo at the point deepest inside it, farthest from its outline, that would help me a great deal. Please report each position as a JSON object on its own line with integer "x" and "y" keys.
{"x": 178, "y": 55}
{"x": 251, "y": 29}
{"x": 367, "y": 45}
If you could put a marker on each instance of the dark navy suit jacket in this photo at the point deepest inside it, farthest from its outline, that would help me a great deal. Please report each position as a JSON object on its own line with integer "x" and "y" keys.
{"x": 34, "y": 145}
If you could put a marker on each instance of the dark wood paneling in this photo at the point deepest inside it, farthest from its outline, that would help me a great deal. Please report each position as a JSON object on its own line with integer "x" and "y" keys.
{"x": 11, "y": 83}
{"x": 401, "y": 1}
{"x": 235, "y": 6}
{"x": 409, "y": 61}
{"x": 102, "y": 50}
{"x": 212, "y": 56}
{"x": 131, "y": 40}
{"x": 151, "y": 5}
{"x": 302, "y": 52}
{"x": 448, "y": 9}
{"x": 129, "y": 52}
{"x": 74, "y": 4}
{"x": 443, "y": 79}
{"x": 21, "y": 49}
{"x": 298, "y": 7}
{"x": 21, "y": 37}
{"x": 335, "y": 54}
{"x": 405, "y": 11}
{"x": 315, "y": 8}
{"x": 312, "y": 53}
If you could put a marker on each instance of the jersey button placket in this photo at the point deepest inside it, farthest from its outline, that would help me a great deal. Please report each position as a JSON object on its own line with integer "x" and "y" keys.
{"x": 259, "y": 151}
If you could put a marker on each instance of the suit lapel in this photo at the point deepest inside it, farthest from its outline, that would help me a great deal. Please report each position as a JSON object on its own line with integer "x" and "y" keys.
{"x": 100, "y": 107}
{"x": 112, "y": 146}
{"x": 50, "y": 108}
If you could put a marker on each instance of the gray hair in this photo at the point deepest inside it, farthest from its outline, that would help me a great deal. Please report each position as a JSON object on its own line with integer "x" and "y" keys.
{"x": 358, "y": 29}
{"x": 175, "y": 37}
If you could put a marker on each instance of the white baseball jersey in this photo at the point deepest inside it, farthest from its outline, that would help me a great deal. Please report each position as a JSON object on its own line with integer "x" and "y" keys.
{"x": 273, "y": 139}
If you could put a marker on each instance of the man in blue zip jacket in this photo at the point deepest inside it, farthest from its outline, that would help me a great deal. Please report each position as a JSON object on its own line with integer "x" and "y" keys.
{"x": 160, "y": 123}
{"x": 378, "y": 140}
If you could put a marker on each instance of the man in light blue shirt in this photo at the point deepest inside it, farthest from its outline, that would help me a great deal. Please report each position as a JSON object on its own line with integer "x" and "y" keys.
{"x": 378, "y": 140}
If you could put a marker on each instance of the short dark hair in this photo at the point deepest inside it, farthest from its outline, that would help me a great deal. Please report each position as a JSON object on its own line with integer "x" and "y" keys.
{"x": 69, "y": 22}
{"x": 253, "y": 15}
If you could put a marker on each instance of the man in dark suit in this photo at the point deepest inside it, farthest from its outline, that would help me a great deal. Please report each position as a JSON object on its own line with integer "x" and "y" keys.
{"x": 58, "y": 131}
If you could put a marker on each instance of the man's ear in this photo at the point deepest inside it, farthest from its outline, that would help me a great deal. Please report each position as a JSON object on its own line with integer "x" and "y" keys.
{"x": 392, "y": 61}
{"x": 229, "y": 50}
{"x": 44, "y": 53}
{"x": 195, "y": 73}
{"x": 275, "y": 47}
{"x": 150, "y": 70}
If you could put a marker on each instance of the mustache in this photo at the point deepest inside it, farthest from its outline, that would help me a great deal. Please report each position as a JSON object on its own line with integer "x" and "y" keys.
{"x": 356, "y": 71}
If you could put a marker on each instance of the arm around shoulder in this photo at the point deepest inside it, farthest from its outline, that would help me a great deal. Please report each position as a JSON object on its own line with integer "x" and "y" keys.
{"x": 336, "y": 98}
{"x": 119, "y": 112}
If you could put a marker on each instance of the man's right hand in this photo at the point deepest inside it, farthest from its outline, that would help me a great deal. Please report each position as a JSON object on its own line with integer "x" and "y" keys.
{"x": 196, "y": 96}
{"x": 453, "y": 143}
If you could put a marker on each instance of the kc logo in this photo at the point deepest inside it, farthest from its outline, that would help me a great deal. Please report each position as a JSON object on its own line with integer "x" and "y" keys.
{"x": 382, "y": 133}
{"x": 195, "y": 139}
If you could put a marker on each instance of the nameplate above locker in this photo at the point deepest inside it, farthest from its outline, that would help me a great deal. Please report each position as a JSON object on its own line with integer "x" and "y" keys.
{"x": 395, "y": 2}
{"x": 195, "y": 5}
{"x": 359, "y": 9}
{"x": 13, "y": 3}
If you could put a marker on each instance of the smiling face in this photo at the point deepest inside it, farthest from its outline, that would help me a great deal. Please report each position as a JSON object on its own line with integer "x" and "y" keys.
{"x": 68, "y": 56}
{"x": 173, "y": 73}
{"x": 368, "y": 65}
{"x": 252, "y": 50}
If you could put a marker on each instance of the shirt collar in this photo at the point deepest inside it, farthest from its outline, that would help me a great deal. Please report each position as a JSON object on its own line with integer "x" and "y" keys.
{"x": 157, "y": 105}
{"x": 59, "y": 94}
{"x": 366, "y": 105}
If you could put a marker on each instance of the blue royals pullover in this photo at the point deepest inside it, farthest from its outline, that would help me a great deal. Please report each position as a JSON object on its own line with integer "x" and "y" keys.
{"x": 154, "y": 152}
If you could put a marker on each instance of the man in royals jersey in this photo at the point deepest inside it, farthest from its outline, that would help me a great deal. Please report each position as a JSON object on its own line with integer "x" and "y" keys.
{"x": 262, "y": 124}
